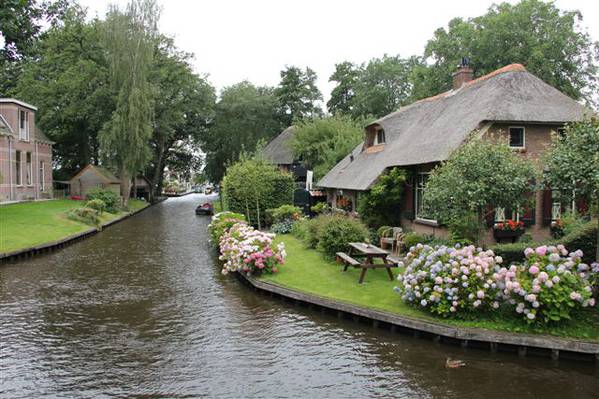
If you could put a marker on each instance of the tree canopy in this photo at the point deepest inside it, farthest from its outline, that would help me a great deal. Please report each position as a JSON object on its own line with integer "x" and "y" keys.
{"x": 297, "y": 94}
{"x": 322, "y": 142}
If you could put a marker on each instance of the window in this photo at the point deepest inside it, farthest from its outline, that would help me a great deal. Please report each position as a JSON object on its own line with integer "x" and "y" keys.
{"x": 561, "y": 131}
{"x": 421, "y": 211}
{"x": 516, "y": 137}
{"x": 42, "y": 176}
{"x": 23, "y": 125}
{"x": 379, "y": 138}
{"x": 500, "y": 214}
{"x": 18, "y": 166}
{"x": 29, "y": 170}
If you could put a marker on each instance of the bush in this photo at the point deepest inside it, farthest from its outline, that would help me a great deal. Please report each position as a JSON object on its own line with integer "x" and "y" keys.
{"x": 449, "y": 281}
{"x": 221, "y": 222}
{"x": 511, "y": 253}
{"x": 109, "y": 197}
{"x": 319, "y": 208}
{"x": 315, "y": 226}
{"x": 284, "y": 213}
{"x": 282, "y": 227}
{"x": 252, "y": 186}
{"x": 585, "y": 239}
{"x": 380, "y": 205}
{"x": 548, "y": 287}
{"x": 250, "y": 251}
{"x": 411, "y": 239}
{"x": 464, "y": 229}
{"x": 300, "y": 229}
{"x": 84, "y": 215}
{"x": 336, "y": 235}
{"x": 96, "y": 204}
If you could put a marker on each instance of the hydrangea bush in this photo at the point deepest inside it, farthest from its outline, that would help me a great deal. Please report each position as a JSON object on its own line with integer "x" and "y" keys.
{"x": 449, "y": 280}
{"x": 244, "y": 249}
{"x": 550, "y": 285}
{"x": 221, "y": 222}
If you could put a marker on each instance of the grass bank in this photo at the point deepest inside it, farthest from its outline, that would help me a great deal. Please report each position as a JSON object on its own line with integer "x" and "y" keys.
{"x": 29, "y": 224}
{"x": 306, "y": 270}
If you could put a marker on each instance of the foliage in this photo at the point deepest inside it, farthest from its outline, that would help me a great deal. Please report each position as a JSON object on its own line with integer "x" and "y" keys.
{"x": 284, "y": 212}
{"x": 250, "y": 251}
{"x": 449, "y": 281}
{"x": 411, "y": 239}
{"x": 314, "y": 228}
{"x": 464, "y": 228}
{"x": 478, "y": 175}
{"x": 297, "y": 95}
{"x": 84, "y": 215}
{"x": 221, "y": 222}
{"x": 384, "y": 231}
{"x": 571, "y": 222}
{"x": 244, "y": 115}
{"x": 321, "y": 143}
{"x": 252, "y": 186}
{"x": 510, "y": 252}
{"x": 300, "y": 229}
{"x": 381, "y": 204}
{"x": 129, "y": 42}
{"x": 111, "y": 200}
{"x": 550, "y": 42}
{"x": 336, "y": 235}
{"x": 283, "y": 227}
{"x": 320, "y": 207}
{"x": 573, "y": 164}
{"x": 509, "y": 225}
{"x": 372, "y": 89}
{"x": 550, "y": 286}
{"x": 96, "y": 204}
{"x": 585, "y": 239}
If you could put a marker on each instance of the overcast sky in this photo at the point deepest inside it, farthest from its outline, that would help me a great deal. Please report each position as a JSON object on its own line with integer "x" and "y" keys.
{"x": 254, "y": 40}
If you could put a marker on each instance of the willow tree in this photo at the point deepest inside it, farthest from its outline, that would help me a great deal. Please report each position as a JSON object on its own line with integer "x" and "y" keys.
{"x": 130, "y": 43}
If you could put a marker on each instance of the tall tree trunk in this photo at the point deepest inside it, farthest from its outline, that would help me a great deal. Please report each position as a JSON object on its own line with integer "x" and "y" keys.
{"x": 125, "y": 186}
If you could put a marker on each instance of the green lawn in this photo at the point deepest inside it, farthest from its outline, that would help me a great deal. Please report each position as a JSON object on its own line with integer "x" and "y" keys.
{"x": 28, "y": 224}
{"x": 306, "y": 270}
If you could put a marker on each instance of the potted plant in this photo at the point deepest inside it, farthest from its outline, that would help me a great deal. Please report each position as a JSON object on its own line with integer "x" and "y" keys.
{"x": 557, "y": 228}
{"x": 509, "y": 229}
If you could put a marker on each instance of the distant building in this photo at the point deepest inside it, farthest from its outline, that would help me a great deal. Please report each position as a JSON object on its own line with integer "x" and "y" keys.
{"x": 278, "y": 151}
{"x": 25, "y": 154}
{"x": 94, "y": 177}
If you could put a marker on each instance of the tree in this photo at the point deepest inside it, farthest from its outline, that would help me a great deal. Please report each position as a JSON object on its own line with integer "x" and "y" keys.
{"x": 321, "y": 143}
{"x": 244, "y": 116}
{"x": 548, "y": 41}
{"x": 478, "y": 175}
{"x": 183, "y": 109}
{"x": 21, "y": 25}
{"x": 297, "y": 94}
{"x": 130, "y": 41}
{"x": 381, "y": 204}
{"x": 346, "y": 75}
{"x": 573, "y": 164}
{"x": 69, "y": 83}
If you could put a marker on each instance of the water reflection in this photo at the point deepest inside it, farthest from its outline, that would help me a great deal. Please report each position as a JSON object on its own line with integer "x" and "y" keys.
{"x": 142, "y": 310}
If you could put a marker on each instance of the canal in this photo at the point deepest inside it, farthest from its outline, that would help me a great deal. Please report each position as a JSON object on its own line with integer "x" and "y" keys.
{"x": 142, "y": 310}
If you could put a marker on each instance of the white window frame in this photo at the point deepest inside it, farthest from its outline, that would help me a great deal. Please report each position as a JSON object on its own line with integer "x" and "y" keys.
{"x": 42, "y": 175}
{"x": 376, "y": 136}
{"x": 509, "y": 136}
{"x": 24, "y": 131}
{"x": 29, "y": 168}
{"x": 500, "y": 214}
{"x": 19, "y": 168}
{"x": 418, "y": 189}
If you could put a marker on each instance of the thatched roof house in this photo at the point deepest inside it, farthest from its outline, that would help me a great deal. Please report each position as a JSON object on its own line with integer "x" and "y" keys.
{"x": 278, "y": 151}
{"x": 508, "y": 101}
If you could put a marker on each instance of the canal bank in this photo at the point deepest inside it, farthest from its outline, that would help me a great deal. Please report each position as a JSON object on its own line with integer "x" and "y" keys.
{"x": 142, "y": 310}
{"x": 23, "y": 253}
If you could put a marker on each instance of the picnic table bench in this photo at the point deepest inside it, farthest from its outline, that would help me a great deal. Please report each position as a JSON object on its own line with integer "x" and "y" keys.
{"x": 368, "y": 253}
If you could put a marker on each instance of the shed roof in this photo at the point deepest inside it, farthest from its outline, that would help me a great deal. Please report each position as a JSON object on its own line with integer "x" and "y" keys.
{"x": 104, "y": 173}
{"x": 278, "y": 151}
{"x": 429, "y": 130}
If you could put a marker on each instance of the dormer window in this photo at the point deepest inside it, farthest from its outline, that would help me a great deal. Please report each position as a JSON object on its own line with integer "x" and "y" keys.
{"x": 379, "y": 137}
{"x": 23, "y": 125}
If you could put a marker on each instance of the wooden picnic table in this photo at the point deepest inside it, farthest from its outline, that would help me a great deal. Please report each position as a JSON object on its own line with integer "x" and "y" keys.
{"x": 369, "y": 253}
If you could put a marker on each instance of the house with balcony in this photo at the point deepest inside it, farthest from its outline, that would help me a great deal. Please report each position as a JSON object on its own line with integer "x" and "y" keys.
{"x": 25, "y": 154}
{"x": 509, "y": 102}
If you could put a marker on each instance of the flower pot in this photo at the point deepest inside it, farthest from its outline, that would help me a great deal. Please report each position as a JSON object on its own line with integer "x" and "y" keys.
{"x": 512, "y": 235}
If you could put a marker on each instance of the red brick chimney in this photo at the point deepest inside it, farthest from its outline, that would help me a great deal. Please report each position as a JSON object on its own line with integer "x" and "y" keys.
{"x": 463, "y": 74}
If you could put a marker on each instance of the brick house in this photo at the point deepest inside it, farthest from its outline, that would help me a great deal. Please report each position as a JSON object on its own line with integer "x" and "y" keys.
{"x": 91, "y": 177}
{"x": 510, "y": 102}
{"x": 25, "y": 154}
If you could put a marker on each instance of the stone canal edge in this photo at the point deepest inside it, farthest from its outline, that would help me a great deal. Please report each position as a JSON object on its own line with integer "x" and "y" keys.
{"x": 520, "y": 343}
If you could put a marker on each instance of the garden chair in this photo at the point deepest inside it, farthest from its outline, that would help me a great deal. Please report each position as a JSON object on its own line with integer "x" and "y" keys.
{"x": 394, "y": 237}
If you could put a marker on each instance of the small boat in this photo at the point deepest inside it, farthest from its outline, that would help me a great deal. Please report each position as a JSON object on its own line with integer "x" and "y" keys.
{"x": 205, "y": 209}
{"x": 208, "y": 190}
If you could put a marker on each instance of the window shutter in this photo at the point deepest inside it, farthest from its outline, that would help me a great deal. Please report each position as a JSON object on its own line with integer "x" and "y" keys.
{"x": 547, "y": 205}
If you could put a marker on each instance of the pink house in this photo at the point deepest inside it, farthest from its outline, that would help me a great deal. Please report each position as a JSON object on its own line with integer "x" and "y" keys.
{"x": 25, "y": 154}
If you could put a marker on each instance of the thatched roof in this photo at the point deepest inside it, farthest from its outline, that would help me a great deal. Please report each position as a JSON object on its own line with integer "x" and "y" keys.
{"x": 104, "y": 173}
{"x": 278, "y": 151}
{"x": 430, "y": 129}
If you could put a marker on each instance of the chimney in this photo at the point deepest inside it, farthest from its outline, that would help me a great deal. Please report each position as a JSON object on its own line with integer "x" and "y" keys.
{"x": 463, "y": 74}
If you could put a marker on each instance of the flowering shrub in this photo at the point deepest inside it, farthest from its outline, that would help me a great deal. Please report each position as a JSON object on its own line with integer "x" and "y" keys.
{"x": 221, "y": 222}
{"x": 250, "y": 251}
{"x": 448, "y": 281}
{"x": 509, "y": 225}
{"x": 282, "y": 227}
{"x": 549, "y": 286}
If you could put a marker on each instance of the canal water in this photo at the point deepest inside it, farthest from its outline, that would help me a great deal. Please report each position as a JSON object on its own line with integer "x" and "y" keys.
{"x": 141, "y": 310}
